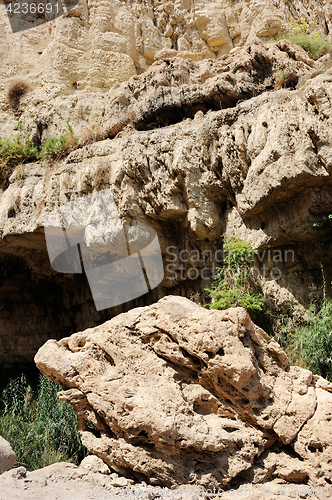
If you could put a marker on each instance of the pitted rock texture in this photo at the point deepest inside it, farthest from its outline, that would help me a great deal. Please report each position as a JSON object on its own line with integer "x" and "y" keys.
{"x": 194, "y": 150}
{"x": 98, "y": 44}
{"x": 63, "y": 481}
{"x": 179, "y": 394}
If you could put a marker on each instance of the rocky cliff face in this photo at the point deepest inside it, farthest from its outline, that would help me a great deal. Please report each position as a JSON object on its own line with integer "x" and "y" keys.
{"x": 195, "y": 146}
{"x": 179, "y": 395}
{"x": 98, "y": 44}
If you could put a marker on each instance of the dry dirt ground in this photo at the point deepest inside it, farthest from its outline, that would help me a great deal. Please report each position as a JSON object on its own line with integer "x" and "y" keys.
{"x": 64, "y": 481}
{"x": 61, "y": 481}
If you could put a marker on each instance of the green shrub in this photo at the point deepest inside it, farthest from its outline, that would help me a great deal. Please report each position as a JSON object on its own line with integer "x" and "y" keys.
{"x": 232, "y": 285}
{"x": 315, "y": 44}
{"x": 312, "y": 343}
{"x": 54, "y": 148}
{"x": 40, "y": 428}
{"x": 15, "y": 150}
{"x": 19, "y": 149}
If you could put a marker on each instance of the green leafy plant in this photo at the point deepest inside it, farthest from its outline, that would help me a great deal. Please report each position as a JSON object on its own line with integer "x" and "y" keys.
{"x": 53, "y": 149}
{"x": 40, "y": 428}
{"x": 232, "y": 285}
{"x": 19, "y": 149}
{"x": 15, "y": 150}
{"x": 311, "y": 344}
{"x": 315, "y": 44}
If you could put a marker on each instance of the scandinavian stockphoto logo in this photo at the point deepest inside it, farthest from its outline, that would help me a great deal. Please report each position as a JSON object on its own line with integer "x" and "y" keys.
{"x": 121, "y": 262}
{"x": 26, "y": 14}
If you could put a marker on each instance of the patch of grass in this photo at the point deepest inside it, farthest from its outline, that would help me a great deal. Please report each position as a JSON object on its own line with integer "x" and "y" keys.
{"x": 14, "y": 151}
{"x": 40, "y": 428}
{"x": 19, "y": 149}
{"x": 314, "y": 44}
{"x": 53, "y": 149}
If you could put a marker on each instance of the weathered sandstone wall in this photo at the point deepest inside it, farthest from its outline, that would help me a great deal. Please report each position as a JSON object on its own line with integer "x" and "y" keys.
{"x": 195, "y": 146}
{"x": 100, "y": 43}
{"x": 184, "y": 155}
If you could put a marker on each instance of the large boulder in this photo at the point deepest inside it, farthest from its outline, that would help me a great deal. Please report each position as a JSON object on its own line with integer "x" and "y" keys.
{"x": 7, "y": 456}
{"x": 179, "y": 394}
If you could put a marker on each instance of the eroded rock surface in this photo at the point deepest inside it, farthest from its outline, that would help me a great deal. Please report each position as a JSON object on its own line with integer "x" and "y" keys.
{"x": 179, "y": 394}
{"x": 193, "y": 150}
{"x": 98, "y": 44}
{"x": 65, "y": 481}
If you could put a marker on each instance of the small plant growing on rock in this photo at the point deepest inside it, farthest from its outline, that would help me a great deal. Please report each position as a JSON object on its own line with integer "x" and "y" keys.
{"x": 54, "y": 148}
{"x": 305, "y": 34}
{"x": 13, "y": 152}
{"x": 20, "y": 149}
{"x": 232, "y": 286}
{"x": 11, "y": 212}
{"x": 281, "y": 80}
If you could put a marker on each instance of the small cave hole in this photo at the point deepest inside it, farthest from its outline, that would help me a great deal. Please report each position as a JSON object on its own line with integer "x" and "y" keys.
{"x": 93, "y": 429}
{"x": 230, "y": 429}
{"x": 316, "y": 447}
{"x": 143, "y": 434}
{"x": 220, "y": 352}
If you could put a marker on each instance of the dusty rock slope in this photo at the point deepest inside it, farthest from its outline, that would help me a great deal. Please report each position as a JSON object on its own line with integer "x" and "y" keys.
{"x": 194, "y": 150}
{"x": 178, "y": 394}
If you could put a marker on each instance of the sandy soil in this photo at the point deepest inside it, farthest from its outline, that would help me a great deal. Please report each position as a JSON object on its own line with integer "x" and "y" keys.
{"x": 61, "y": 481}
{"x": 64, "y": 481}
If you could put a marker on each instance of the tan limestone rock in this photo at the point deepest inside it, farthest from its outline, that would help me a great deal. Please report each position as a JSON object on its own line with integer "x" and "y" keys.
{"x": 179, "y": 394}
{"x": 7, "y": 456}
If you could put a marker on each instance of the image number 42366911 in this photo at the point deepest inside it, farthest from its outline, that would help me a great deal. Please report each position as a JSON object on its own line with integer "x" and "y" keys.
{"x": 26, "y": 14}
